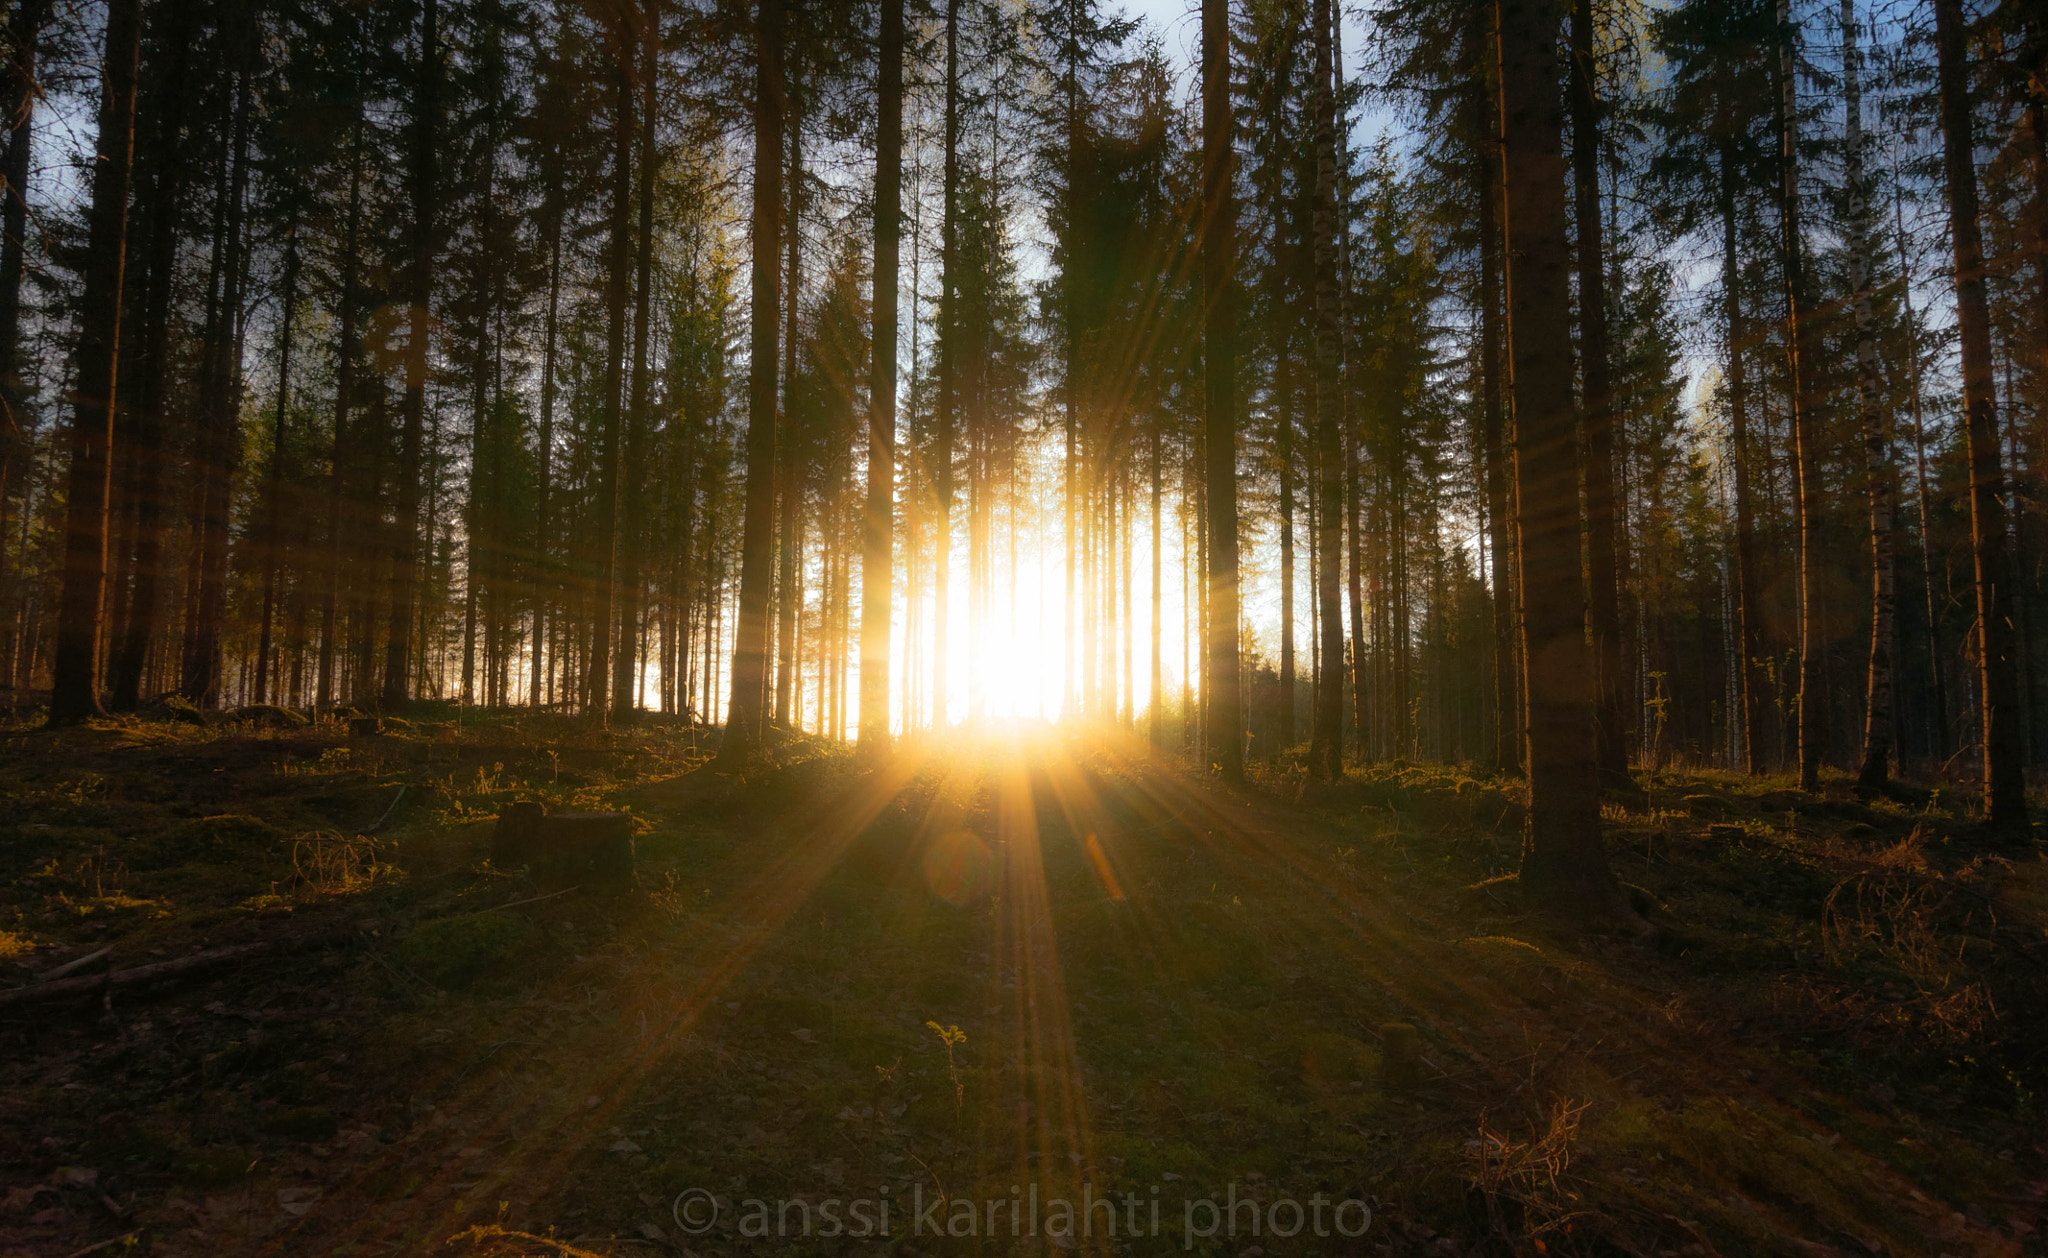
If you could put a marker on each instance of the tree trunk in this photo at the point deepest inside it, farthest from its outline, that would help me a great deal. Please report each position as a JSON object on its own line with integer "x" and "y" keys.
{"x": 424, "y": 175}
{"x": 1748, "y": 610}
{"x": 1283, "y": 401}
{"x": 484, "y": 545}
{"x": 2005, "y": 801}
{"x": 1326, "y": 751}
{"x": 144, "y": 427}
{"x": 543, "y": 565}
{"x": 1603, "y": 606}
{"x": 1356, "y": 675}
{"x": 267, "y": 544}
{"x": 1219, "y": 277}
{"x": 1360, "y": 672}
{"x": 368, "y": 549}
{"x": 1071, "y": 487}
{"x": 639, "y": 418}
{"x": 878, "y": 521}
{"x": 1564, "y": 868}
{"x": 2037, "y": 126}
{"x": 1879, "y": 732}
{"x": 790, "y": 484}
{"x": 1938, "y": 687}
{"x": 26, "y": 36}
{"x": 618, "y": 281}
{"x": 1508, "y": 726}
{"x": 1156, "y": 711}
{"x": 346, "y": 352}
{"x": 74, "y": 693}
{"x": 750, "y": 640}
{"x": 1805, "y": 441}
{"x": 789, "y": 584}
{"x": 948, "y": 383}
{"x": 219, "y": 439}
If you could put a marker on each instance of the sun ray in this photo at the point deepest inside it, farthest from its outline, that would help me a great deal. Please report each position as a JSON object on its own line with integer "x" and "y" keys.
{"x": 713, "y": 953}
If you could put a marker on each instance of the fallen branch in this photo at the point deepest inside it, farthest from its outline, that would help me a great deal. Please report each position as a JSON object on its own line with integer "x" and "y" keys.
{"x": 537, "y": 899}
{"x": 395, "y": 801}
{"x": 71, "y": 966}
{"x": 121, "y": 978}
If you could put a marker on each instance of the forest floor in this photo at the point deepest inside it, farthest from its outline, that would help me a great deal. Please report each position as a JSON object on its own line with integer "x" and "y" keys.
{"x": 1025, "y": 970}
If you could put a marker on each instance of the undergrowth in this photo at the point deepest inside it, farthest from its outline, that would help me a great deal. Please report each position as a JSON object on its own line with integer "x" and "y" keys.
{"x": 1091, "y": 975}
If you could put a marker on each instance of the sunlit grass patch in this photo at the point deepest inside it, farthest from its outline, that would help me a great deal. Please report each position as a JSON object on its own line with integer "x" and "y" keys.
{"x": 114, "y": 907}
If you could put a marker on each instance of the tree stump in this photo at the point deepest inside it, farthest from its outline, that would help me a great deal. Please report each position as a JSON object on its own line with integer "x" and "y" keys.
{"x": 1704, "y": 807}
{"x": 516, "y": 839}
{"x": 365, "y": 726}
{"x": 584, "y": 849}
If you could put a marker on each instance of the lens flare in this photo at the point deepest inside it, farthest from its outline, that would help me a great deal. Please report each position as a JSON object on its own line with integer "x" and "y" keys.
{"x": 957, "y": 867}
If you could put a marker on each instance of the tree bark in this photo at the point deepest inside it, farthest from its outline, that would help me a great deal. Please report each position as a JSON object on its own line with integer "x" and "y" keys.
{"x": 1357, "y": 675}
{"x": 1222, "y": 696}
{"x": 1564, "y": 867}
{"x": 750, "y": 640}
{"x": 1070, "y": 332}
{"x": 1603, "y": 605}
{"x": 2037, "y": 126}
{"x": 424, "y": 175}
{"x": 544, "y": 590}
{"x": 2005, "y": 802}
{"x": 1879, "y": 732}
{"x": 1508, "y": 724}
{"x": 219, "y": 439}
{"x": 144, "y": 427}
{"x": 1284, "y": 456}
{"x": 74, "y": 694}
{"x": 618, "y": 282}
{"x": 1326, "y": 750}
{"x": 1799, "y": 356}
{"x": 1748, "y": 610}
{"x": 790, "y": 483}
{"x": 268, "y": 544}
{"x": 948, "y": 383}
{"x": 24, "y": 39}
{"x": 639, "y": 415}
{"x": 1156, "y": 711}
{"x": 346, "y": 353}
{"x": 1937, "y": 675}
{"x": 878, "y": 521}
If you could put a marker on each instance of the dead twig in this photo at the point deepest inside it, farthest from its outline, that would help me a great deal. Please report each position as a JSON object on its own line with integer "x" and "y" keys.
{"x": 395, "y": 801}
{"x": 537, "y": 899}
{"x": 70, "y": 967}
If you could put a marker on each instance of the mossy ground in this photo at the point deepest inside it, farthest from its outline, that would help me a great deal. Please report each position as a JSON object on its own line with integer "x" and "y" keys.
{"x": 1023, "y": 959}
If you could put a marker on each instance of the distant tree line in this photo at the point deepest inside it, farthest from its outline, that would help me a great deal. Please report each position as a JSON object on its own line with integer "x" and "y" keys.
{"x": 1664, "y": 386}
